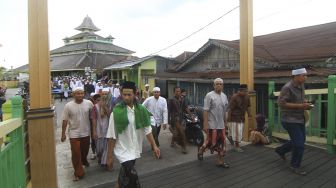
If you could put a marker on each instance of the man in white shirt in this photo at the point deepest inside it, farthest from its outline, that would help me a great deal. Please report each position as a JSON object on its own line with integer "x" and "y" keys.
{"x": 76, "y": 114}
{"x": 129, "y": 124}
{"x": 79, "y": 83}
{"x": 116, "y": 91}
{"x": 145, "y": 93}
{"x": 215, "y": 107}
{"x": 157, "y": 105}
{"x": 99, "y": 88}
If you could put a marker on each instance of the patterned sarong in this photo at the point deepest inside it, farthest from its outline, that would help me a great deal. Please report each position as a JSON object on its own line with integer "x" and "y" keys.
{"x": 128, "y": 177}
{"x": 215, "y": 141}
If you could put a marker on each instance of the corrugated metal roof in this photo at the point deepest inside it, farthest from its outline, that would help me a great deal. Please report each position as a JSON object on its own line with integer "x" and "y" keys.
{"x": 23, "y": 68}
{"x": 128, "y": 63}
{"x": 183, "y": 56}
{"x": 308, "y": 44}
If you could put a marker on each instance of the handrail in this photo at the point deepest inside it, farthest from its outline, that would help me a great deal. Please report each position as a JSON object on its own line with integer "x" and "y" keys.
{"x": 10, "y": 125}
{"x": 309, "y": 92}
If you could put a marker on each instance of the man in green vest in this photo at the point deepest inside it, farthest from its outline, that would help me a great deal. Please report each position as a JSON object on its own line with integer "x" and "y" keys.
{"x": 129, "y": 124}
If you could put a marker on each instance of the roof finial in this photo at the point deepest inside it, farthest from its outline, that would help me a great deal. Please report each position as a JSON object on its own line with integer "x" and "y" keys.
{"x": 87, "y": 24}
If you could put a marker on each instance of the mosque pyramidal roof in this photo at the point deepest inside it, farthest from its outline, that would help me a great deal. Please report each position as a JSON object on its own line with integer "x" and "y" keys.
{"x": 87, "y": 49}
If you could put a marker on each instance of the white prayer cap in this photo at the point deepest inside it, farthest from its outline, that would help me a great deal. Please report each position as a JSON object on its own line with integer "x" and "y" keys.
{"x": 117, "y": 84}
{"x": 78, "y": 89}
{"x": 156, "y": 89}
{"x": 92, "y": 94}
{"x": 147, "y": 85}
{"x": 106, "y": 89}
{"x": 299, "y": 71}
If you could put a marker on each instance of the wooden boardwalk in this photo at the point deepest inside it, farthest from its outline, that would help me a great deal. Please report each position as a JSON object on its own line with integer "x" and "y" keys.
{"x": 256, "y": 167}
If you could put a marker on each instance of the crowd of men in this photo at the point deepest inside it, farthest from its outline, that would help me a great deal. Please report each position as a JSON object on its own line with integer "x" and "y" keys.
{"x": 118, "y": 121}
{"x": 67, "y": 83}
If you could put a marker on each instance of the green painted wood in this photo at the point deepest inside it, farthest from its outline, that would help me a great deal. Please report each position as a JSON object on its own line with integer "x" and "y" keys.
{"x": 331, "y": 114}
{"x": 319, "y": 114}
{"x": 17, "y": 108}
{"x": 279, "y": 119}
{"x": 310, "y": 133}
{"x": 12, "y": 167}
{"x": 271, "y": 106}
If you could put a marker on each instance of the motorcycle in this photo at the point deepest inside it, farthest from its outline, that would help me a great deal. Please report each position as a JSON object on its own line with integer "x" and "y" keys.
{"x": 193, "y": 129}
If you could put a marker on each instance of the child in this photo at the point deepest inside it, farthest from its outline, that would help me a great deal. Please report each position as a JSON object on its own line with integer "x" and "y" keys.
{"x": 259, "y": 135}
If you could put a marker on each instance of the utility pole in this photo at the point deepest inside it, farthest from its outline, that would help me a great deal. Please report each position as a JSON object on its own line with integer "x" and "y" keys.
{"x": 40, "y": 115}
{"x": 247, "y": 58}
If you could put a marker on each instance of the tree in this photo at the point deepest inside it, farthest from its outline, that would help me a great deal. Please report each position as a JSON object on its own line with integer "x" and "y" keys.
{"x": 2, "y": 70}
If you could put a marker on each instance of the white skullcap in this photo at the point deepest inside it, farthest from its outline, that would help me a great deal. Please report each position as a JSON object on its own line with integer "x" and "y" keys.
{"x": 117, "y": 84}
{"x": 299, "y": 71}
{"x": 106, "y": 89}
{"x": 147, "y": 85}
{"x": 156, "y": 89}
{"x": 92, "y": 94}
{"x": 78, "y": 89}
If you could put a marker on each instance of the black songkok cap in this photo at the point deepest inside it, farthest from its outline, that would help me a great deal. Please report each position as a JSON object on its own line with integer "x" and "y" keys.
{"x": 242, "y": 87}
{"x": 128, "y": 85}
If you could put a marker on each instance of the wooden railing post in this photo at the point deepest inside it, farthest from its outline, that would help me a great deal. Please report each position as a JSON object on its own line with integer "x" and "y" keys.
{"x": 17, "y": 135}
{"x": 271, "y": 106}
{"x": 17, "y": 108}
{"x": 331, "y": 114}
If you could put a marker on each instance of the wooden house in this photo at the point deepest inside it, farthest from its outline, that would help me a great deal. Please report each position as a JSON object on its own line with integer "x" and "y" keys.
{"x": 275, "y": 55}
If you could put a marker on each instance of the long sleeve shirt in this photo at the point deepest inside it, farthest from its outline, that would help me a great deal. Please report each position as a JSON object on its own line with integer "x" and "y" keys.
{"x": 158, "y": 107}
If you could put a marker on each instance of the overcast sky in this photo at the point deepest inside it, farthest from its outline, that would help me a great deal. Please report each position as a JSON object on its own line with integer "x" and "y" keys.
{"x": 147, "y": 26}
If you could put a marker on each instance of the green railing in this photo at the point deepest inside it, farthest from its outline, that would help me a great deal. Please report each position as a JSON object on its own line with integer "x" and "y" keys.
{"x": 320, "y": 127}
{"x": 12, "y": 165}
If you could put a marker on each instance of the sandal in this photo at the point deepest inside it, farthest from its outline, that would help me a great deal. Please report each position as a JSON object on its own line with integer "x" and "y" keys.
{"x": 200, "y": 153}
{"x": 223, "y": 165}
{"x": 75, "y": 178}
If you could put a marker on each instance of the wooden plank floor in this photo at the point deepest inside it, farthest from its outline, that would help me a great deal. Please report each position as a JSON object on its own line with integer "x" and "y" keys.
{"x": 256, "y": 167}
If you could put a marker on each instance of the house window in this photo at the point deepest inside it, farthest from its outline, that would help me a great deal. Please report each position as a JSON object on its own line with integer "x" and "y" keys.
{"x": 214, "y": 65}
{"x": 120, "y": 75}
{"x": 145, "y": 80}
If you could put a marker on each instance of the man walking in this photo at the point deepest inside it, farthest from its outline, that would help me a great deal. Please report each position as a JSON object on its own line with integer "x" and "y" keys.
{"x": 157, "y": 105}
{"x": 129, "y": 124}
{"x": 76, "y": 114}
{"x": 215, "y": 105}
{"x": 145, "y": 93}
{"x": 293, "y": 104}
{"x": 239, "y": 105}
{"x": 176, "y": 108}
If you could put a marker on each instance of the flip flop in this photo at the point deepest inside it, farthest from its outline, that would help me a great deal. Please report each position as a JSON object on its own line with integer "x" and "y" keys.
{"x": 200, "y": 154}
{"x": 75, "y": 178}
{"x": 224, "y": 165}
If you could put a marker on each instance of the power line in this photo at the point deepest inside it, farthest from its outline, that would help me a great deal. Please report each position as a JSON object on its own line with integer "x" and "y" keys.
{"x": 193, "y": 33}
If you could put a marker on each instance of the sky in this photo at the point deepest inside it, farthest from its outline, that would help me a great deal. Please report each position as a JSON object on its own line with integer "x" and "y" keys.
{"x": 148, "y": 26}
